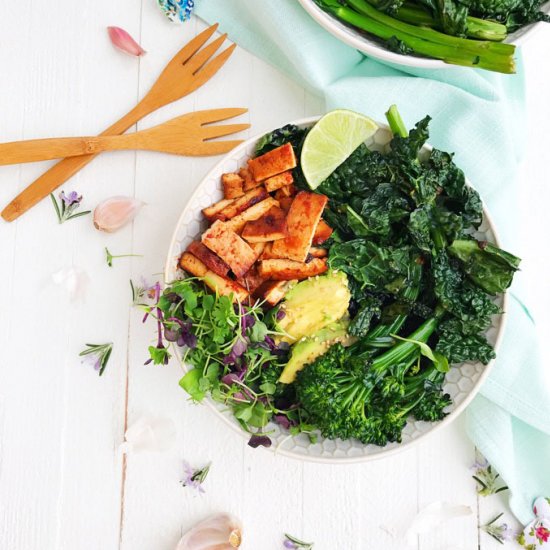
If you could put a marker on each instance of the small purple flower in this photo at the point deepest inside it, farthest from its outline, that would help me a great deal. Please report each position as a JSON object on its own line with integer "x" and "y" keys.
{"x": 259, "y": 439}
{"x": 195, "y": 478}
{"x": 293, "y": 543}
{"x": 289, "y": 544}
{"x": 72, "y": 198}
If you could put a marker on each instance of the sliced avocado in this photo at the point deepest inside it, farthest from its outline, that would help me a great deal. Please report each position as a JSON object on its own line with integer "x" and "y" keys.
{"x": 308, "y": 349}
{"x": 313, "y": 304}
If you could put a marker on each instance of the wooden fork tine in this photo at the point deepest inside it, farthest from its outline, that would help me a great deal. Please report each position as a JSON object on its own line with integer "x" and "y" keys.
{"x": 217, "y": 115}
{"x": 201, "y": 57}
{"x": 192, "y": 47}
{"x": 212, "y": 67}
{"x": 211, "y": 132}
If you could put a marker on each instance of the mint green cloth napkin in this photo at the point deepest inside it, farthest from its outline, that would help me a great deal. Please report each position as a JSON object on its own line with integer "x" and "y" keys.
{"x": 477, "y": 114}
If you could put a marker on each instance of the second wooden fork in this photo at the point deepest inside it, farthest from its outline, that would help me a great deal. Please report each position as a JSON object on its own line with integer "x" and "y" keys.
{"x": 190, "y": 135}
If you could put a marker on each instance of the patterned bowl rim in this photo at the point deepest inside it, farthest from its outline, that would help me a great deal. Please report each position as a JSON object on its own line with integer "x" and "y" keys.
{"x": 168, "y": 269}
{"x": 365, "y": 44}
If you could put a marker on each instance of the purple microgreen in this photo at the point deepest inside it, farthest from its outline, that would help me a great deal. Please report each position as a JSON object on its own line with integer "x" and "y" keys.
{"x": 195, "y": 478}
{"x": 281, "y": 314}
{"x": 98, "y": 355}
{"x": 487, "y": 478}
{"x": 283, "y": 421}
{"x": 110, "y": 257}
{"x": 67, "y": 205}
{"x": 259, "y": 439}
{"x": 501, "y": 533}
{"x": 294, "y": 543}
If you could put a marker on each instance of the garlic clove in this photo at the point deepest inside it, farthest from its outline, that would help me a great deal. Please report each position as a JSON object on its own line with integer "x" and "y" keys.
{"x": 218, "y": 532}
{"x": 115, "y": 212}
{"x": 124, "y": 42}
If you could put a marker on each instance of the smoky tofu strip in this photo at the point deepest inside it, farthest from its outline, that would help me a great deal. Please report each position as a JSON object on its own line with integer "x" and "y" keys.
{"x": 273, "y": 291}
{"x": 232, "y": 185}
{"x": 253, "y": 213}
{"x": 210, "y": 212}
{"x": 233, "y": 250}
{"x": 276, "y": 182}
{"x": 322, "y": 232}
{"x": 269, "y": 227}
{"x": 302, "y": 219}
{"x": 272, "y": 163}
{"x": 286, "y": 270}
{"x": 212, "y": 261}
{"x": 251, "y": 280}
{"x": 241, "y": 204}
{"x": 316, "y": 252}
{"x": 285, "y": 203}
{"x": 192, "y": 265}
{"x": 286, "y": 191}
{"x": 249, "y": 181}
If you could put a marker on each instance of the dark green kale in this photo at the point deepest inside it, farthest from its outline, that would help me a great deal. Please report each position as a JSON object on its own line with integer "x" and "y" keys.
{"x": 489, "y": 267}
{"x": 459, "y": 347}
{"x": 369, "y": 310}
{"x": 289, "y": 133}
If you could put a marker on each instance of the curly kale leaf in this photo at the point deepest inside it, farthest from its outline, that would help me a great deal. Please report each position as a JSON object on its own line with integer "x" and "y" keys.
{"x": 513, "y": 13}
{"x": 358, "y": 175}
{"x": 289, "y": 133}
{"x": 398, "y": 46}
{"x": 459, "y": 347}
{"x": 452, "y": 17}
{"x": 370, "y": 309}
{"x": 489, "y": 267}
{"x": 432, "y": 228}
{"x": 468, "y": 303}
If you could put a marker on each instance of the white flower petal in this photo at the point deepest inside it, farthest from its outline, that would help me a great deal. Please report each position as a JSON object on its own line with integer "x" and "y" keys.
{"x": 74, "y": 280}
{"x": 152, "y": 434}
{"x": 433, "y": 516}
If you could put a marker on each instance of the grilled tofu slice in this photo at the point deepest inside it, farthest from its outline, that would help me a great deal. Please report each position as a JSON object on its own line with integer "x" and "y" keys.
{"x": 270, "y": 227}
{"x": 249, "y": 181}
{"x": 316, "y": 252}
{"x": 241, "y": 204}
{"x": 322, "y": 232}
{"x": 285, "y": 203}
{"x": 272, "y": 163}
{"x": 233, "y": 250}
{"x": 232, "y": 185}
{"x": 276, "y": 182}
{"x": 253, "y": 213}
{"x": 286, "y": 191}
{"x": 217, "y": 283}
{"x": 302, "y": 219}
{"x": 258, "y": 248}
{"x": 273, "y": 291}
{"x": 212, "y": 261}
{"x": 251, "y": 280}
{"x": 210, "y": 212}
{"x": 286, "y": 270}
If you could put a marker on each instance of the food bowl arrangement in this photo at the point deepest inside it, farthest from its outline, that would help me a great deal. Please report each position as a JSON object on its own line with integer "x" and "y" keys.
{"x": 461, "y": 382}
{"x": 394, "y": 50}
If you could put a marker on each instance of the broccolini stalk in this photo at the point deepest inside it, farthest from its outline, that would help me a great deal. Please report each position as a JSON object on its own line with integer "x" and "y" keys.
{"x": 396, "y": 123}
{"x": 477, "y": 28}
{"x": 424, "y": 41}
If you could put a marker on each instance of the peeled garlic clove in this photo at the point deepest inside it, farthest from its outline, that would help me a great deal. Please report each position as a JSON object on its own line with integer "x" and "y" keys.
{"x": 124, "y": 42}
{"x": 112, "y": 214}
{"x": 218, "y": 532}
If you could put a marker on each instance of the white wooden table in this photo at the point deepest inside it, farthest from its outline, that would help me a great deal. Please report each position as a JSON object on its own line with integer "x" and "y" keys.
{"x": 63, "y": 482}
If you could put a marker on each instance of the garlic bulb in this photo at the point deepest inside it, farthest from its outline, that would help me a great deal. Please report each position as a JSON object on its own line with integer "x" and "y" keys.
{"x": 218, "y": 532}
{"x": 115, "y": 212}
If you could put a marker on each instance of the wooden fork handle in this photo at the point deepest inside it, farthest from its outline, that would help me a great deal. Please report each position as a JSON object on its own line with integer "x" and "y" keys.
{"x": 64, "y": 169}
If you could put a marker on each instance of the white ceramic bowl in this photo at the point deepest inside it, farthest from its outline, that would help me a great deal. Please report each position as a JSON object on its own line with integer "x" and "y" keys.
{"x": 462, "y": 382}
{"x": 361, "y": 41}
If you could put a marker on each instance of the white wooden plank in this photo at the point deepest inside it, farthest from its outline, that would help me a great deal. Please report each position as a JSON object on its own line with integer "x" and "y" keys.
{"x": 59, "y": 482}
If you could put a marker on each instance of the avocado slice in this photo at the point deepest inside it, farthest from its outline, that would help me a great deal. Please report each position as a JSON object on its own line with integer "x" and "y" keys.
{"x": 308, "y": 349}
{"x": 314, "y": 304}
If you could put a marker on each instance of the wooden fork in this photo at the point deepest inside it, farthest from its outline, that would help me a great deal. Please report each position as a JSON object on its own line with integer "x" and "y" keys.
{"x": 189, "y": 69}
{"x": 184, "y": 135}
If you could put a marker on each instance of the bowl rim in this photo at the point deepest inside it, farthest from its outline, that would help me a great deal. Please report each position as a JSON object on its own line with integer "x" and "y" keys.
{"x": 354, "y": 39}
{"x": 278, "y": 449}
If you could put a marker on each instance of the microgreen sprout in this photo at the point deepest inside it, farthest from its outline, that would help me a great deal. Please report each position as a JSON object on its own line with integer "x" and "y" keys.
{"x": 487, "y": 479}
{"x": 501, "y": 533}
{"x": 292, "y": 543}
{"x": 110, "y": 257}
{"x": 98, "y": 355}
{"x": 195, "y": 478}
{"x": 67, "y": 205}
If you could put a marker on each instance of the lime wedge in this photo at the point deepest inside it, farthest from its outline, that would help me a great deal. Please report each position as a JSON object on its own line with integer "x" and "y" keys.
{"x": 331, "y": 141}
